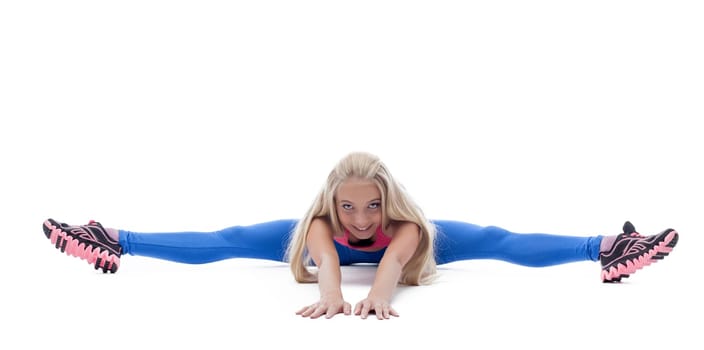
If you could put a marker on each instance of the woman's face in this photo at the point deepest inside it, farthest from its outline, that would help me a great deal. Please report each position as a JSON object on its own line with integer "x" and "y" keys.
{"x": 359, "y": 207}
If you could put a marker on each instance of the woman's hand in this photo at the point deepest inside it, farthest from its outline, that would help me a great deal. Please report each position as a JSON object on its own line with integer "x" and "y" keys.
{"x": 328, "y": 306}
{"x": 379, "y": 306}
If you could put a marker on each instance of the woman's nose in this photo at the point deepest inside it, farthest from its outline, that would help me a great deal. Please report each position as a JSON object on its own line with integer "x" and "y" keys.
{"x": 361, "y": 220}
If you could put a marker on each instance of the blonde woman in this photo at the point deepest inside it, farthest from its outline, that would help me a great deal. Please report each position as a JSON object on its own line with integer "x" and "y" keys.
{"x": 363, "y": 215}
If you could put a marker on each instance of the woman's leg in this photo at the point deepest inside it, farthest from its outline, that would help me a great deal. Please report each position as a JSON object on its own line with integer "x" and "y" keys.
{"x": 267, "y": 240}
{"x": 463, "y": 241}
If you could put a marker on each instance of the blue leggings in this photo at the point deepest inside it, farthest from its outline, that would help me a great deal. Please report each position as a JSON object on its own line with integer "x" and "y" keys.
{"x": 455, "y": 241}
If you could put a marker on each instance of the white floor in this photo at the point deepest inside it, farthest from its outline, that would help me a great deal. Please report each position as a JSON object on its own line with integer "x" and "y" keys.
{"x": 535, "y": 116}
{"x": 152, "y": 303}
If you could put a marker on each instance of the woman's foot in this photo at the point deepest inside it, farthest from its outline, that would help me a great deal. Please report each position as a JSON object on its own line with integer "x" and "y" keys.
{"x": 89, "y": 242}
{"x": 630, "y": 252}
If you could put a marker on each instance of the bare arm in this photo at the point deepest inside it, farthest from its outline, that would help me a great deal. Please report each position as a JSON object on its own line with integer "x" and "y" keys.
{"x": 322, "y": 249}
{"x": 403, "y": 244}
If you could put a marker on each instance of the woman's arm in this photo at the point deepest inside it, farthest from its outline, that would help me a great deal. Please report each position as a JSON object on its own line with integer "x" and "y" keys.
{"x": 402, "y": 247}
{"x": 322, "y": 249}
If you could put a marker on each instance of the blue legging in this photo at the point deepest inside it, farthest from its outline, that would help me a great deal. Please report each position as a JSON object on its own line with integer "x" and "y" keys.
{"x": 455, "y": 241}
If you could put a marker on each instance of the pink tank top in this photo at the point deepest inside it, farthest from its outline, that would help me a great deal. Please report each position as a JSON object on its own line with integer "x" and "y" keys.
{"x": 382, "y": 240}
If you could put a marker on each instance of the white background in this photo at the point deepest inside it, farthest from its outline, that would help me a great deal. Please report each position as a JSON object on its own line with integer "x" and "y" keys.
{"x": 540, "y": 116}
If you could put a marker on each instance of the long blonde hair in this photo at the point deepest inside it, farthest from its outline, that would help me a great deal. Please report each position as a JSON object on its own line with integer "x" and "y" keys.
{"x": 397, "y": 206}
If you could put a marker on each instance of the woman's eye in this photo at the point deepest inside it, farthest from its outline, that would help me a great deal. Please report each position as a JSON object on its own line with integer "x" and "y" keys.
{"x": 374, "y": 206}
{"x": 347, "y": 206}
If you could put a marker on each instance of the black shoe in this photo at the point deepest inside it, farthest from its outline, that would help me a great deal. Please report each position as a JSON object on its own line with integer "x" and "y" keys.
{"x": 631, "y": 252}
{"x": 89, "y": 242}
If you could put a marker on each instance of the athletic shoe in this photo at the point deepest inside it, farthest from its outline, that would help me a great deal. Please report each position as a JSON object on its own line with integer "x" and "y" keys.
{"x": 631, "y": 252}
{"x": 89, "y": 242}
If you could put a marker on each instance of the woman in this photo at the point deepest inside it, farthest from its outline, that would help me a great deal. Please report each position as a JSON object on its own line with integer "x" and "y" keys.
{"x": 363, "y": 215}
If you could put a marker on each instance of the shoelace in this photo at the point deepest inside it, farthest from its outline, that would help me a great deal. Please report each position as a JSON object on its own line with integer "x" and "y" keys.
{"x": 636, "y": 235}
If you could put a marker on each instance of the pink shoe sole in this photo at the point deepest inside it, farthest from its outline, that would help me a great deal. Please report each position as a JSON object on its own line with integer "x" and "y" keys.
{"x": 81, "y": 245}
{"x": 658, "y": 252}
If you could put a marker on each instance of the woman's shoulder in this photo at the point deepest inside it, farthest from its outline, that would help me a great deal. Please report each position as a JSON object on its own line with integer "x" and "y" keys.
{"x": 395, "y": 226}
{"x": 400, "y": 223}
{"x": 321, "y": 223}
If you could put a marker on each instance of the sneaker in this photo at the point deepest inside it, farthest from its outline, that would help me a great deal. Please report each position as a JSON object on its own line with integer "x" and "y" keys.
{"x": 89, "y": 242}
{"x": 631, "y": 252}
